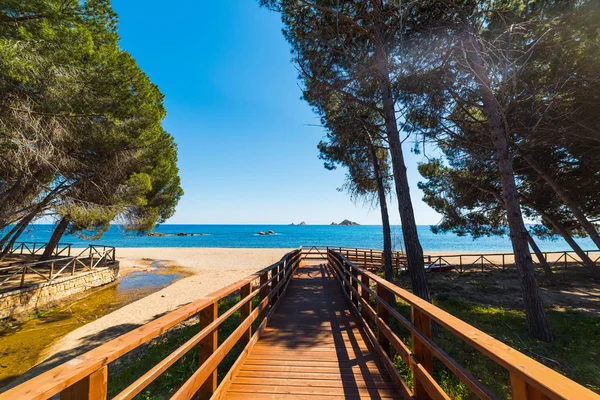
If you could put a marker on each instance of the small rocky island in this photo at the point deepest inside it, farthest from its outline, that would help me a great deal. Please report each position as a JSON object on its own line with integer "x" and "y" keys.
{"x": 346, "y": 222}
{"x": 300, "y": 224}
{"x": 265, "y": 233}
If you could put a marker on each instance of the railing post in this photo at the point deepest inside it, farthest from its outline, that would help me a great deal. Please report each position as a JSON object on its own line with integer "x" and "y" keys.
{"x": 207, "y": 347}
{"x": 51, "y": 270}
{"x": 365, "y": 294}
{"x": 282, "y": 277}
{"x": 23, "y": 276}
{"x": 245, "y": 312}
{"x": 422, "y": 322}
{"x": 274, "y": 283}
{"x": 384, "y": 314}
{"x": 92, "y": 387}
{"x": 520, "y": 390}
{"x": 354, "y": 274}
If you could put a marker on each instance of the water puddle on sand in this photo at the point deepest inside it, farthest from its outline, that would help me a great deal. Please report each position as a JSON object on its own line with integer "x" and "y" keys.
{"x": 23, "y": 343}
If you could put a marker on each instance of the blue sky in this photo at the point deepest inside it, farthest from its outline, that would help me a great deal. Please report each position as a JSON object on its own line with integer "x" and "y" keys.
{"x": 247, "y": 150}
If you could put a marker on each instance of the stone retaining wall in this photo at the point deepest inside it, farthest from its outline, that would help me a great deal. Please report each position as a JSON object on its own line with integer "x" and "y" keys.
{"x": 30, "y": 299}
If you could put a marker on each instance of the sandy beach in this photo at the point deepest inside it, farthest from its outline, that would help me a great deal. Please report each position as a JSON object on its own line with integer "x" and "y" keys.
{"x": 211, "y": 269}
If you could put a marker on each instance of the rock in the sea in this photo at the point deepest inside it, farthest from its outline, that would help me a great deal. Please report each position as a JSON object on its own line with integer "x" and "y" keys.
{"x": 155, "y": 234}
{"x": 271, "y": 233}
{"x": 302, "y": 223}
{"x": 347, "y": 222}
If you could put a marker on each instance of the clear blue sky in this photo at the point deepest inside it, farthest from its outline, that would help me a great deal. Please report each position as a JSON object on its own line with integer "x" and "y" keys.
{"x": 247, "y": 152}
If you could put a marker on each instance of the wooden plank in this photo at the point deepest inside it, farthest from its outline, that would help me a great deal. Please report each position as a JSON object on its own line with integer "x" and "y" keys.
{"x": 330, "y": 391}
{"x": 359, "y": 375}
{"x": 309, "y": 382}
{"x": 280, "y": 396}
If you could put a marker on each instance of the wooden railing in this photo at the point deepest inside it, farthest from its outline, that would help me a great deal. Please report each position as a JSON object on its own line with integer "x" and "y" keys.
{"x": 369, "y": 296}
{"x": 86, "y": 376}
{"x": 373, "y": 259}
{"x": 33, "y": 248}
{"x": 48, "y": 270}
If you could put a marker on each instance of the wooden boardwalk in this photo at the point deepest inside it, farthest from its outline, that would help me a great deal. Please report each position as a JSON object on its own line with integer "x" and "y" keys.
{"x": 305, "y": 331}
{"x": 314, "y": 347}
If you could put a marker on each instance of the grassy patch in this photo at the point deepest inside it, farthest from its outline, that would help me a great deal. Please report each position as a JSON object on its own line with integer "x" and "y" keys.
{"x": 574, "y": 352}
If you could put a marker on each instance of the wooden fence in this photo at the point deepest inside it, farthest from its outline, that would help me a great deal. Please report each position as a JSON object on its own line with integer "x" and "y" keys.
{"x": 17, "y": 273}
{"x": 369, "y": 296}
{"x": 86, "y": 376}
{"x": 373, "y": 259}
{"x": 33, "y": 248}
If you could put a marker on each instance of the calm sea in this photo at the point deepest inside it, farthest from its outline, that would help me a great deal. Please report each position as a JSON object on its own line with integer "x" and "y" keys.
{"x": 368, "y": 236}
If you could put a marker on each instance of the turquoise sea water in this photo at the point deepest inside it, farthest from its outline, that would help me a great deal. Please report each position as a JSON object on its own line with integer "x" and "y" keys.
{"x": 367, "y": 236}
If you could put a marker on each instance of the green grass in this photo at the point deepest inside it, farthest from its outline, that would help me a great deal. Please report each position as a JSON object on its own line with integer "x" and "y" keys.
{"x": 573, "y": 353}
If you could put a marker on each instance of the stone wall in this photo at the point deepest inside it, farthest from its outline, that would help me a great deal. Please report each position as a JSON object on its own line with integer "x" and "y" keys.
{"x": 30, "y": 299}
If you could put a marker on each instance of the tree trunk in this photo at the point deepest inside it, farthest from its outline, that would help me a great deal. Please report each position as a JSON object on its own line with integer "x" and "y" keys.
{"x": 537, "y": 321}
{"x": 385, "y": 218}
{"x": 414, "y": 251}
{"x": 562, "y": 231}
{"x": 542, "y": 260}
{"x": 24, "y": 222}
{"x": 7, "y": 237}
{"x": 388, "y": 269}
{"x": 568, "y": 201}
{"x": 20, "y": 227}
{"x": 55, "y": 238}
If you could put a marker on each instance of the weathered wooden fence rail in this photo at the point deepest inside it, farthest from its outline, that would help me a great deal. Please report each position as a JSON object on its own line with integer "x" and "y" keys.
{"x": 48, "y": 270}
{"x": 86, "y": 376}
{"x": 373, "y": 259}
{"x": 529, "y": 379}
{"x": 33, "y": 248}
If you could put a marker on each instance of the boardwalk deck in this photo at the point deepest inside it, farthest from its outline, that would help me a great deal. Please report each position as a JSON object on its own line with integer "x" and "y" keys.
{"x": 315, "y": 347}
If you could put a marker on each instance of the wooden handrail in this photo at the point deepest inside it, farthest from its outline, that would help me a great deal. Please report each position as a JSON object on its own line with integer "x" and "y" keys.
{"x": 85, "y": 377}
{"x": 529, "y": 378}
{"x": 373, "y": 259}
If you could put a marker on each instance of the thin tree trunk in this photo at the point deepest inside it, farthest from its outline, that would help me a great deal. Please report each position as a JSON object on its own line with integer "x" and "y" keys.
{"x": 9, "y": 234}
{"x": 385, "y": 218}
{"x": 20, "y": 227}
{"x": 562, "y": 231}
{"x": 388, "y": 269}
{"x": 568, "y": 201}
{"x": 55, "y": 238}
{"x": 537, "y": 320}
{"x": 542, "y": 260}
{"x": 414, "y": 251}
